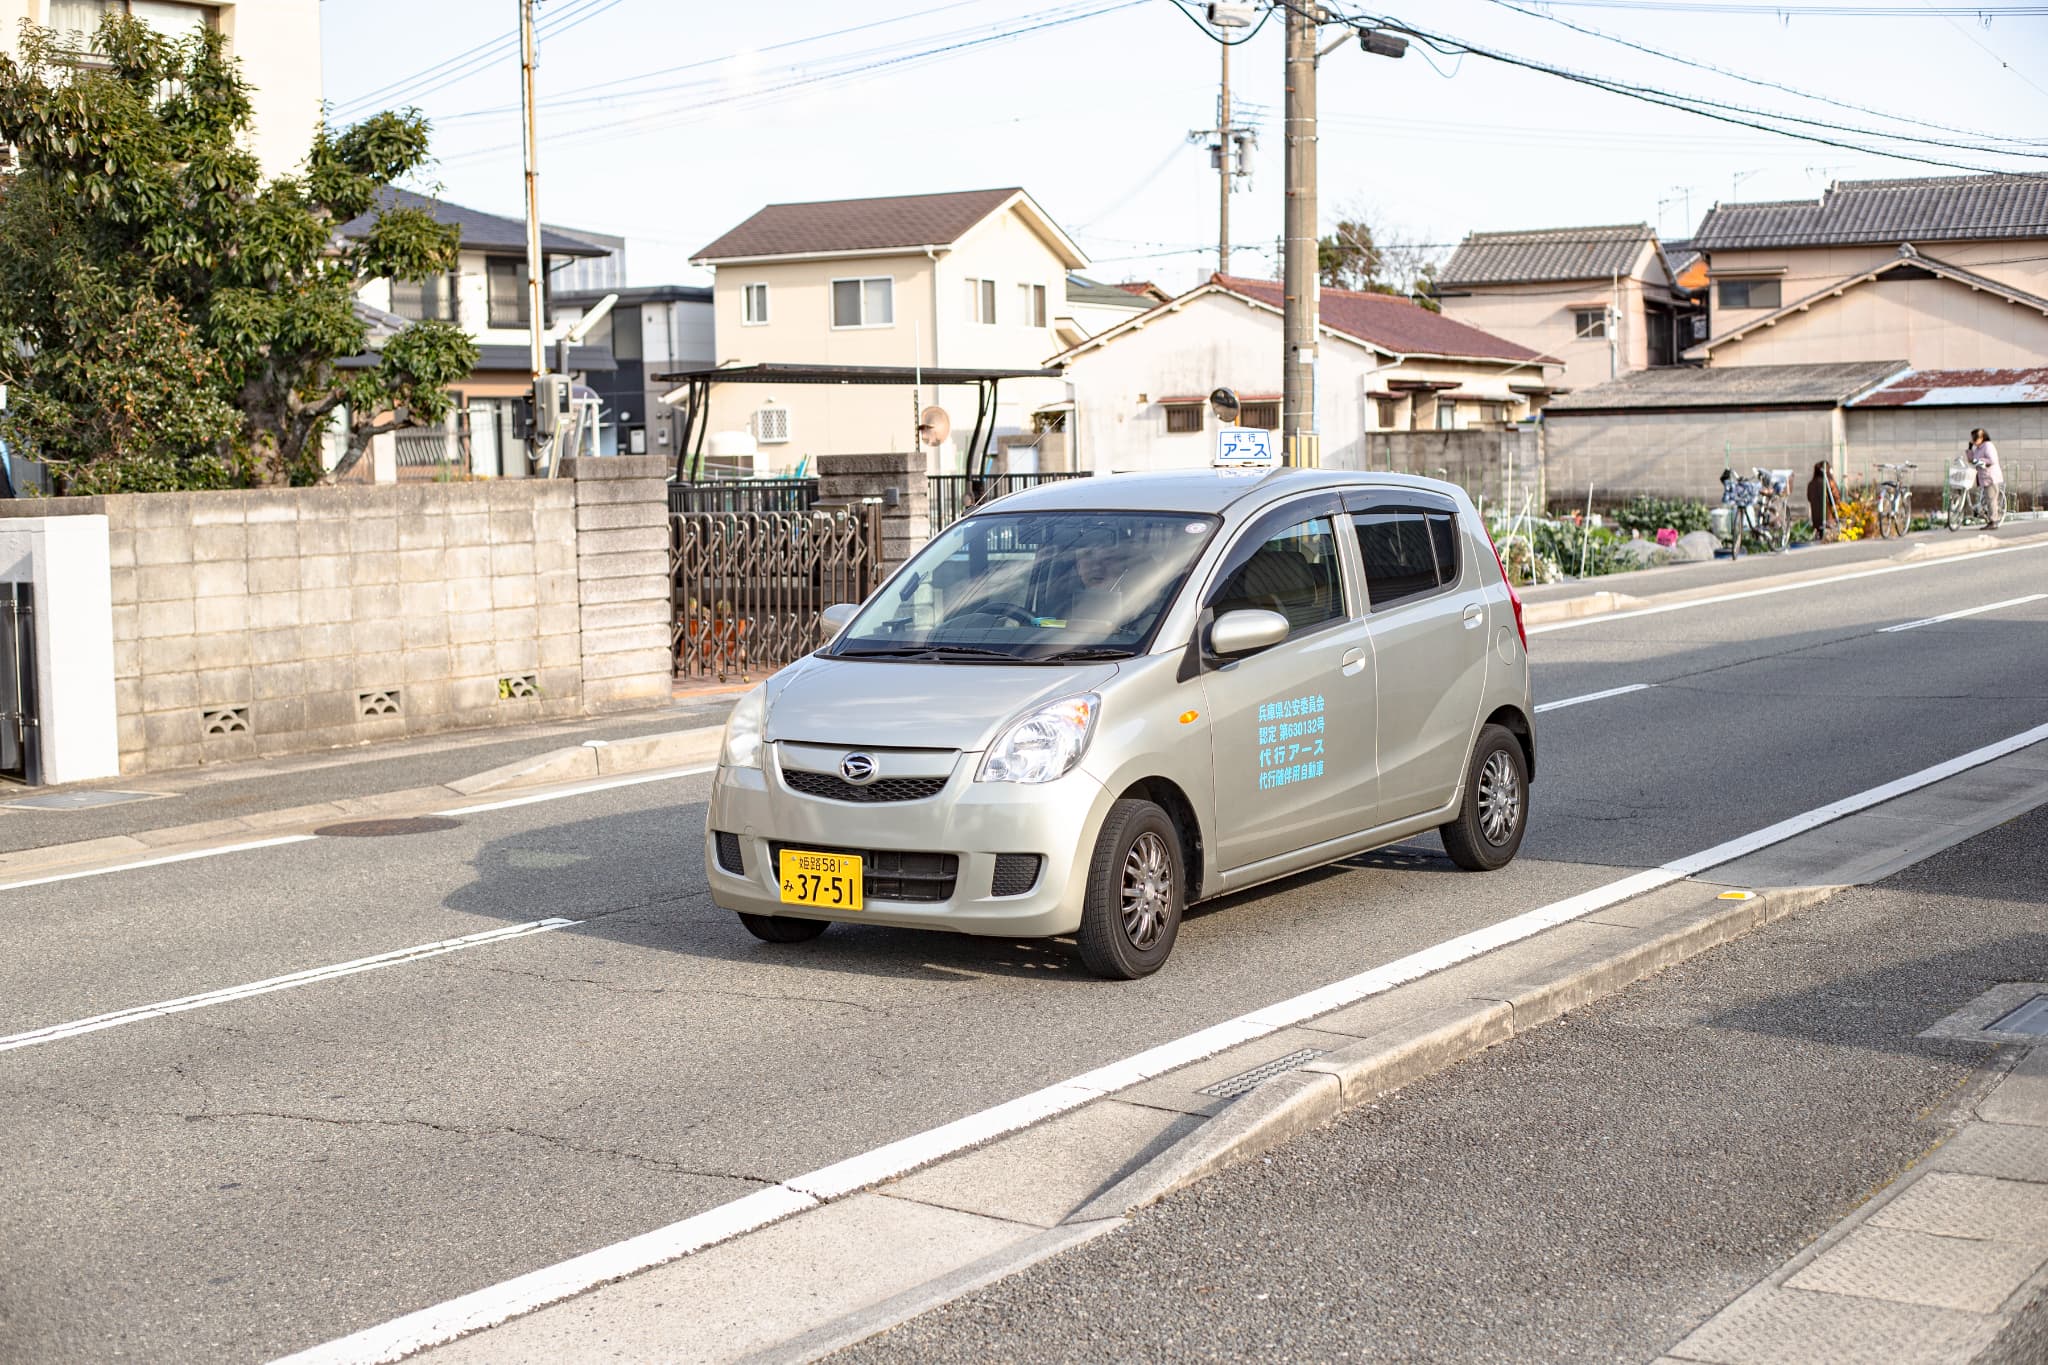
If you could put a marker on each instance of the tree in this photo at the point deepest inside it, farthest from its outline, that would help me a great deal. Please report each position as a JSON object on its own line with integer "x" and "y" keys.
{"x": 167, "y": 318}
{"x": 1366, "y": 255}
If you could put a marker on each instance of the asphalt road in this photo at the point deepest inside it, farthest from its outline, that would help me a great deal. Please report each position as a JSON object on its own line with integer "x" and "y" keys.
{"x": 1590, "y": 1191}
{"x": 238, "y": 1181}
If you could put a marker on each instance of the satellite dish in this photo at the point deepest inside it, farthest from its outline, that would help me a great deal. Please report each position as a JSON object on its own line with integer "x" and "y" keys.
{"x": 933, "y": 425}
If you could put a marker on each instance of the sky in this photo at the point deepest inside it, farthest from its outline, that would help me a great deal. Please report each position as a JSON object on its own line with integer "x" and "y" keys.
{"x": 669, "y": 121}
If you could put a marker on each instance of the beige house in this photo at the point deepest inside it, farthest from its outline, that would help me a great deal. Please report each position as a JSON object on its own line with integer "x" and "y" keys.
{"x": 1948, "y": 272}
{"x": 1604, "y": 300}
{"x": 277, "y": 42}
{"x": 1140, "y": 390}
{"x": 965, "y": 281}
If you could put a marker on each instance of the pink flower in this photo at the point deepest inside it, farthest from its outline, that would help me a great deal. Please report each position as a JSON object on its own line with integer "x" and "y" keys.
{"x": 1667, "y": 537}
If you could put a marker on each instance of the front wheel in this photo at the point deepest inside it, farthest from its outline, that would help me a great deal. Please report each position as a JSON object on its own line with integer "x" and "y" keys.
{"x": 1488, "y": 828}
{"x": 1955, "y": 510}
{"x": 1781, "y": 527}
{"x": 783, "y": 928}
{"x": 1136, "y": 892}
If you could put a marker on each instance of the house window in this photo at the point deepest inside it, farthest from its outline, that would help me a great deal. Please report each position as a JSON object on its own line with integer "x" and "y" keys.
{"x": 622, "y": 329}
{"x": 771, "y": 425}
{"x": 1446, "y": 414}
{"x": 754, "y": 304}
{"x": 506, "y": 276}
{"x": 1390, "y": 412}
{"x": 79, "y": 20}
{"x": 1750, "y": 293}
{"x": 869, "y": 302}
{"x": 1031, "y": 303}
{"x": 1265, "y": 415}
{"x": 981, "y": 301}
{"x": 428, "y": 300}
{"x": 1589, "y": 323}
{"x": 1183, "y": 417}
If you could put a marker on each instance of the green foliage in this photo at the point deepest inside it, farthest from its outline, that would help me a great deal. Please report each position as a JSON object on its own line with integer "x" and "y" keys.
{"x": 167, "y": 318}
{"x": 1651, "y": 515}
{"x": 1573, "y": 546}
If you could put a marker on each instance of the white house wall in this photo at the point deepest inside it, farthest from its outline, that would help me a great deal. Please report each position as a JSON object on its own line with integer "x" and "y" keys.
{"x": 1934, "y": 324}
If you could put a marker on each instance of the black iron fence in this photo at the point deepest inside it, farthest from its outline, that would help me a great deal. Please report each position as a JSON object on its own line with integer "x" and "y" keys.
{"x": 743, "y": 495}
{"x": 747, "y": 587}
{"x": 953, "y": 496}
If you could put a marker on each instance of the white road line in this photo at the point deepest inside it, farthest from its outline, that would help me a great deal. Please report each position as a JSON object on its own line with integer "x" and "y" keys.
{"x": 583, "y": 789}
{"x": 137, "y": 1013}
{"x": 487, "y": 1307}
{"x": 1593, "y": 696}
{"x": 157, "y": 862}
{"x": 1744, "y": 595}
{"x": 1967, "y": 611}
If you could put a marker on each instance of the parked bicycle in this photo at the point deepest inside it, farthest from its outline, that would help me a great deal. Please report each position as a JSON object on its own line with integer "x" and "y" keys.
{"x": 1757, "y": 508}
{"x": 1969, "y": 502}
{"x": 1895, "y": 498}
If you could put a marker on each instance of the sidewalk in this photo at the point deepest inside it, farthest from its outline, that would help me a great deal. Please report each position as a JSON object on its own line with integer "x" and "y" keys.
{"x": 239, "y": 791}
{"x": 1795, "y": 1147}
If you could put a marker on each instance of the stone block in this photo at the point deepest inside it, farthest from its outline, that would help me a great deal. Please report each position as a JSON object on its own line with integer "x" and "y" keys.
{"x": 551, "y": 555}
{"x": 127, "y": 622}
{"x": 274, "y": 575}
{"x": 634, "y": 588}
{"x": 614, "y": 615}
{"x": 408, "y": 599}
{"x": 467, "y": 561}
{"x": 163, "y": 509}
{"x": 425, "y": 701}
{"x": 272, "y": 610}
{"x": 225, "y": 686}
{"x": 163, "y": 545}
{"x": 627, "y": 664}
{"x": 517, "y": 656}
{"x": 560, "y": 684}
{"x": 323, "y": 537}
{"x": 518, "y": 591}
{"x": 228, "y": 576}
{"x": 512, "y": 559}
{"x": 274, "y": 539}
{"x": 178, "y": 727}
{"x": 515, "y": 623}
{"x": 511, "y": 526}
{"x": 553, "y": 495}
{"x": 336, "y": 674}
{"x": 373, "y": 535}
{"x": 274, "y": 646}
{"x": 122, "y": 586}
{"x": 470, "y": 627}
{"x": 425, "y": 631}
{"x": 473, "y": 694}
{"x": 476, "y": 659}
{"x": 621, "y": 639}
{"x": 649, "y": 564}
{"x": 327, "y": 642}
{"x": 620, "y": 515}
{"x": 560, "y": 651}
{"x": 468, "y": 594}
{"x": 558, "y": 589}
{"x": 378, "y": 672}
{"x": 469, "y": 528}
{"x": 269, "y": 682}
{"x": 168, "y": 654}
{"x": 325, "y": 571}
{"x": 627, "y": 542}
{"x": 222, "y": 649}
{"x": 128, "y": 730}
{"x": 271, "y": 507}
{"x": 377, "y": 635}
{"x": 419, "y": 566}
{"x": 322, "y": 606}
{"x": 120, "y": 549}
{"x": 603, "y": 492}
{"x": 417, "y": 531}
{"x": 626, "y": 692}
{"x": 559, "y": 618}
{"x": 427, "y": 665}
{"x": 272, "y": 717}
{"x": 169, "y": 691}
{"x": 331, "y": 710}
{"x": 164, "y": 583}
{"x": 367, "y": 570}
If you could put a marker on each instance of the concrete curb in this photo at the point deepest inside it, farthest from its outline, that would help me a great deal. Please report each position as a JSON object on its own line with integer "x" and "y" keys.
{"x": 1608, "y": 602}
{"x": 598, "y": 758}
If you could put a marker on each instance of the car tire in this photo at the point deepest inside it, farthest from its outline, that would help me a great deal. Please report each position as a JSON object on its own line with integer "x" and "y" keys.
{"x": 783, "y": 928}
{"x": 1135, "y": 894}
{"x": 1488, "y": 829}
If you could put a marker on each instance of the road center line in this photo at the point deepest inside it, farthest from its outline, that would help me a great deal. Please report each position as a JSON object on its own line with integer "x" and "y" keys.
{"x": 1560, "y": 704}
{"x": 137, "y": 1013}
{"x": 1745, "y": 594}
{"x": 1967, "y": 611}
{"x": 487, "y": 1307}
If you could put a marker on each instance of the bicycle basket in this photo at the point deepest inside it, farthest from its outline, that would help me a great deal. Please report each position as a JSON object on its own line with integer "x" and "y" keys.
{"x": 1739, "y": 492}
{"x": 1962, "y": 474}
{"x": 1781, "y": 479}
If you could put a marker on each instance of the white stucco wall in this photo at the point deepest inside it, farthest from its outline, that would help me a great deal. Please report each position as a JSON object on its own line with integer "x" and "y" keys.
{"x": 66, "y": 560}
{"x": 1934, "y": 324}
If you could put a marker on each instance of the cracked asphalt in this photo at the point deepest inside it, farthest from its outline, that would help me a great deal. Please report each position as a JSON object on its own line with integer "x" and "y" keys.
{"x": 236, "y": 1182}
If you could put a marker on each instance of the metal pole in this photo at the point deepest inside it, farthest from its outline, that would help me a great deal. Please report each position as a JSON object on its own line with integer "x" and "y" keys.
{"x": 1223, "y": 168}
{"x": 1298, "y": 360}
{"x": 534, "y": 296}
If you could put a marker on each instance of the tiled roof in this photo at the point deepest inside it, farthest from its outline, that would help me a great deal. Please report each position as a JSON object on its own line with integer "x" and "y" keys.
{"x": 1735, "y": 386}
{"x": 480, "y": 231}
{"x": 908, "y": 220}
{"x": 1394, "y": 324}
{"x": 1960, "y": 388}
{"x": 1930, "y": 209}
{"x": 1081, "y": 289}
{"x": 1572, "y": 253}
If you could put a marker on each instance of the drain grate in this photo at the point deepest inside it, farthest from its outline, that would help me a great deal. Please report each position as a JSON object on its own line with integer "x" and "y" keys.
{"x": 2031, "y": 1017}
{"x": 1231, "y": 1087}
{"x": 79, "y": 800}
{"x": 384, "y": 829}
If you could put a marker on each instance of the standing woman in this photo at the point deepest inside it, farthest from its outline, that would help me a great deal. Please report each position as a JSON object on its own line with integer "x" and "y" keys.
{"x": 1990, "y": 476}
{"x": 1821, "y": 497}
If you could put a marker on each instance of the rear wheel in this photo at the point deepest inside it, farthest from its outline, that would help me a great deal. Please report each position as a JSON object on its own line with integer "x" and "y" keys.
{"x": 1488, "y": 828}
{"x": 783, "y": 928}
{"x": 1136, "y": 892}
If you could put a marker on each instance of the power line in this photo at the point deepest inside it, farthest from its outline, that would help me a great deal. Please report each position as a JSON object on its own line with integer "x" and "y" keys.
{"x": 461, "y": 66}
{"x": 1778, "y": 11}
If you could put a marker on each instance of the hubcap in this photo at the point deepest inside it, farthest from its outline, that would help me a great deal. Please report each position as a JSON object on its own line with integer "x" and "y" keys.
{"x": 1148, "y": 890}
{"x": 1500, "y": 798}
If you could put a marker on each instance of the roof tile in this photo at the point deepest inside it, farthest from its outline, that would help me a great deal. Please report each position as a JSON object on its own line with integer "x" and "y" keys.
{"x": 1571, "y": 253}
{"x": 1390, "y": 322}
{"x": 1950, "y": 208}
{"x": 909, "y": 220}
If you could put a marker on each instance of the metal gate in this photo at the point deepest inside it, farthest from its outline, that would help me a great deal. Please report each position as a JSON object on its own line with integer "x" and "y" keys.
{"x": 21, "y": 731}
{"x": 747, "y": 587}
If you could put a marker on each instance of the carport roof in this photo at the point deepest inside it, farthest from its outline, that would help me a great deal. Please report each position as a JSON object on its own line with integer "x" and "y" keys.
{"x": 1734, "y": 386}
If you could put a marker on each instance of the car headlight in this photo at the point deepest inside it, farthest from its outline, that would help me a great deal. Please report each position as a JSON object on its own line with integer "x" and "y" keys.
{"x": 1042, "y": 745}
{"x": 742, "y": 748}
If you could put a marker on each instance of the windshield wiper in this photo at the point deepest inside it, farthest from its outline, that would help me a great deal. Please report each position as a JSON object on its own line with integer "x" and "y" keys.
{"x": 1084, "y": 654}
{"x": 933, "y": 651}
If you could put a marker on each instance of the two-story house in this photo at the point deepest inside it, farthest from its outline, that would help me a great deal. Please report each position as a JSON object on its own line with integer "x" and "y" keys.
{"x": 651, "y": 329}
{"x": 276, "y": 41}
{"x": 973, "y": 280}
{"x": 1944, "y": 272}
{"x": 486, "y": 296}
{"x": 1604, "y": 300}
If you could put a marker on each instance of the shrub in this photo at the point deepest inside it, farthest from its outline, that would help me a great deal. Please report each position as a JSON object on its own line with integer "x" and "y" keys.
{"x": 1651, "y": 515}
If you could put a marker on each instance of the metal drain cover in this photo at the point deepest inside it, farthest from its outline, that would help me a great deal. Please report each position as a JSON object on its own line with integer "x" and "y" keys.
{"x": 384, "y": 829}
{"x": 2031, "y": 1017}
{"x": 79, "y": 800}
{"x": 1231, "y": 1087}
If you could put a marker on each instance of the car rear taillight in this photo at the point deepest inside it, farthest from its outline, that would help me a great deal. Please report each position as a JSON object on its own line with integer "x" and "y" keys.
{"x": 1514, "y": 598}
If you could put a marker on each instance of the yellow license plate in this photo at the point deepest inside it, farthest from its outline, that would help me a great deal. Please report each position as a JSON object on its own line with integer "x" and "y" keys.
{"x": 830, "y": 881}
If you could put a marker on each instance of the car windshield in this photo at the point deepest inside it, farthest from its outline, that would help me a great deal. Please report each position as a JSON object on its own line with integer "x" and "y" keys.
{"x": 1032, "y": 587}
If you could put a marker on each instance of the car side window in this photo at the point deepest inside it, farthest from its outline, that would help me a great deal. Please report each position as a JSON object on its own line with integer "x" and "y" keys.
{"x": 1295, "y": 572}
{"x": 1443, "y": 536}
{"x": 1400, "y": 562}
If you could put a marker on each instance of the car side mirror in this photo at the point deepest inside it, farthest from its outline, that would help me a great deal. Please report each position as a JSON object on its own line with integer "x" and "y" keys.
{"x": 1246, "y": 632}
{"x": 838, "y": 617}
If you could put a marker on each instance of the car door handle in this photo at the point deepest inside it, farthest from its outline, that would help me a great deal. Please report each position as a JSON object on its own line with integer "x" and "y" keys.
{"x": 1474, "y": 614}
{"x": 1354, "y": 660}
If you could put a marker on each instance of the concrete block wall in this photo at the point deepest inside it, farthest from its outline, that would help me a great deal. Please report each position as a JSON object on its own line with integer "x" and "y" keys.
{"x": 906, "y": 523}
{"x": 1676, "y": 454}
{"x": 273, "y": 621}
{"x": 1933, "y": 438}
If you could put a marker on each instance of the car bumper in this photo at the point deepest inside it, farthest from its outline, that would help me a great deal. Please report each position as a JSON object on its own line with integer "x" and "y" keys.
{"x": 973, "y": 821}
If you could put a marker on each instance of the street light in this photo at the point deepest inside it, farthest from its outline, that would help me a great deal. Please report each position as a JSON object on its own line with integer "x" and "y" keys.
{"x": 1381, "y": 43}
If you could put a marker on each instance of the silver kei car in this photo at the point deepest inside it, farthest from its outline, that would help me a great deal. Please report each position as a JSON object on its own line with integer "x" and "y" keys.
{"x": 1090, "y": 704}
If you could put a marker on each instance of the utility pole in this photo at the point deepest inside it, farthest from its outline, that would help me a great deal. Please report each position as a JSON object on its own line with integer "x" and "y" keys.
{"x": 534, "y": 293}
{"x": 1300, "y": 285}
{"x": 1223, "y": 167}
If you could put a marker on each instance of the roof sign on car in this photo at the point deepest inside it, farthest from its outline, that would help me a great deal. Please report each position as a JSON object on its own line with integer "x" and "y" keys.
{"x": 1245, "y": 448}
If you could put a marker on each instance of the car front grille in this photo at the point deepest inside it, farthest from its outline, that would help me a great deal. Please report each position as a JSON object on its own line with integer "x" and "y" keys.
{"x": 1016, "y": 873}
{"x": 890, "y": 875}
{"x": 832, "y": 787}
{"x": 729, "y": 852}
